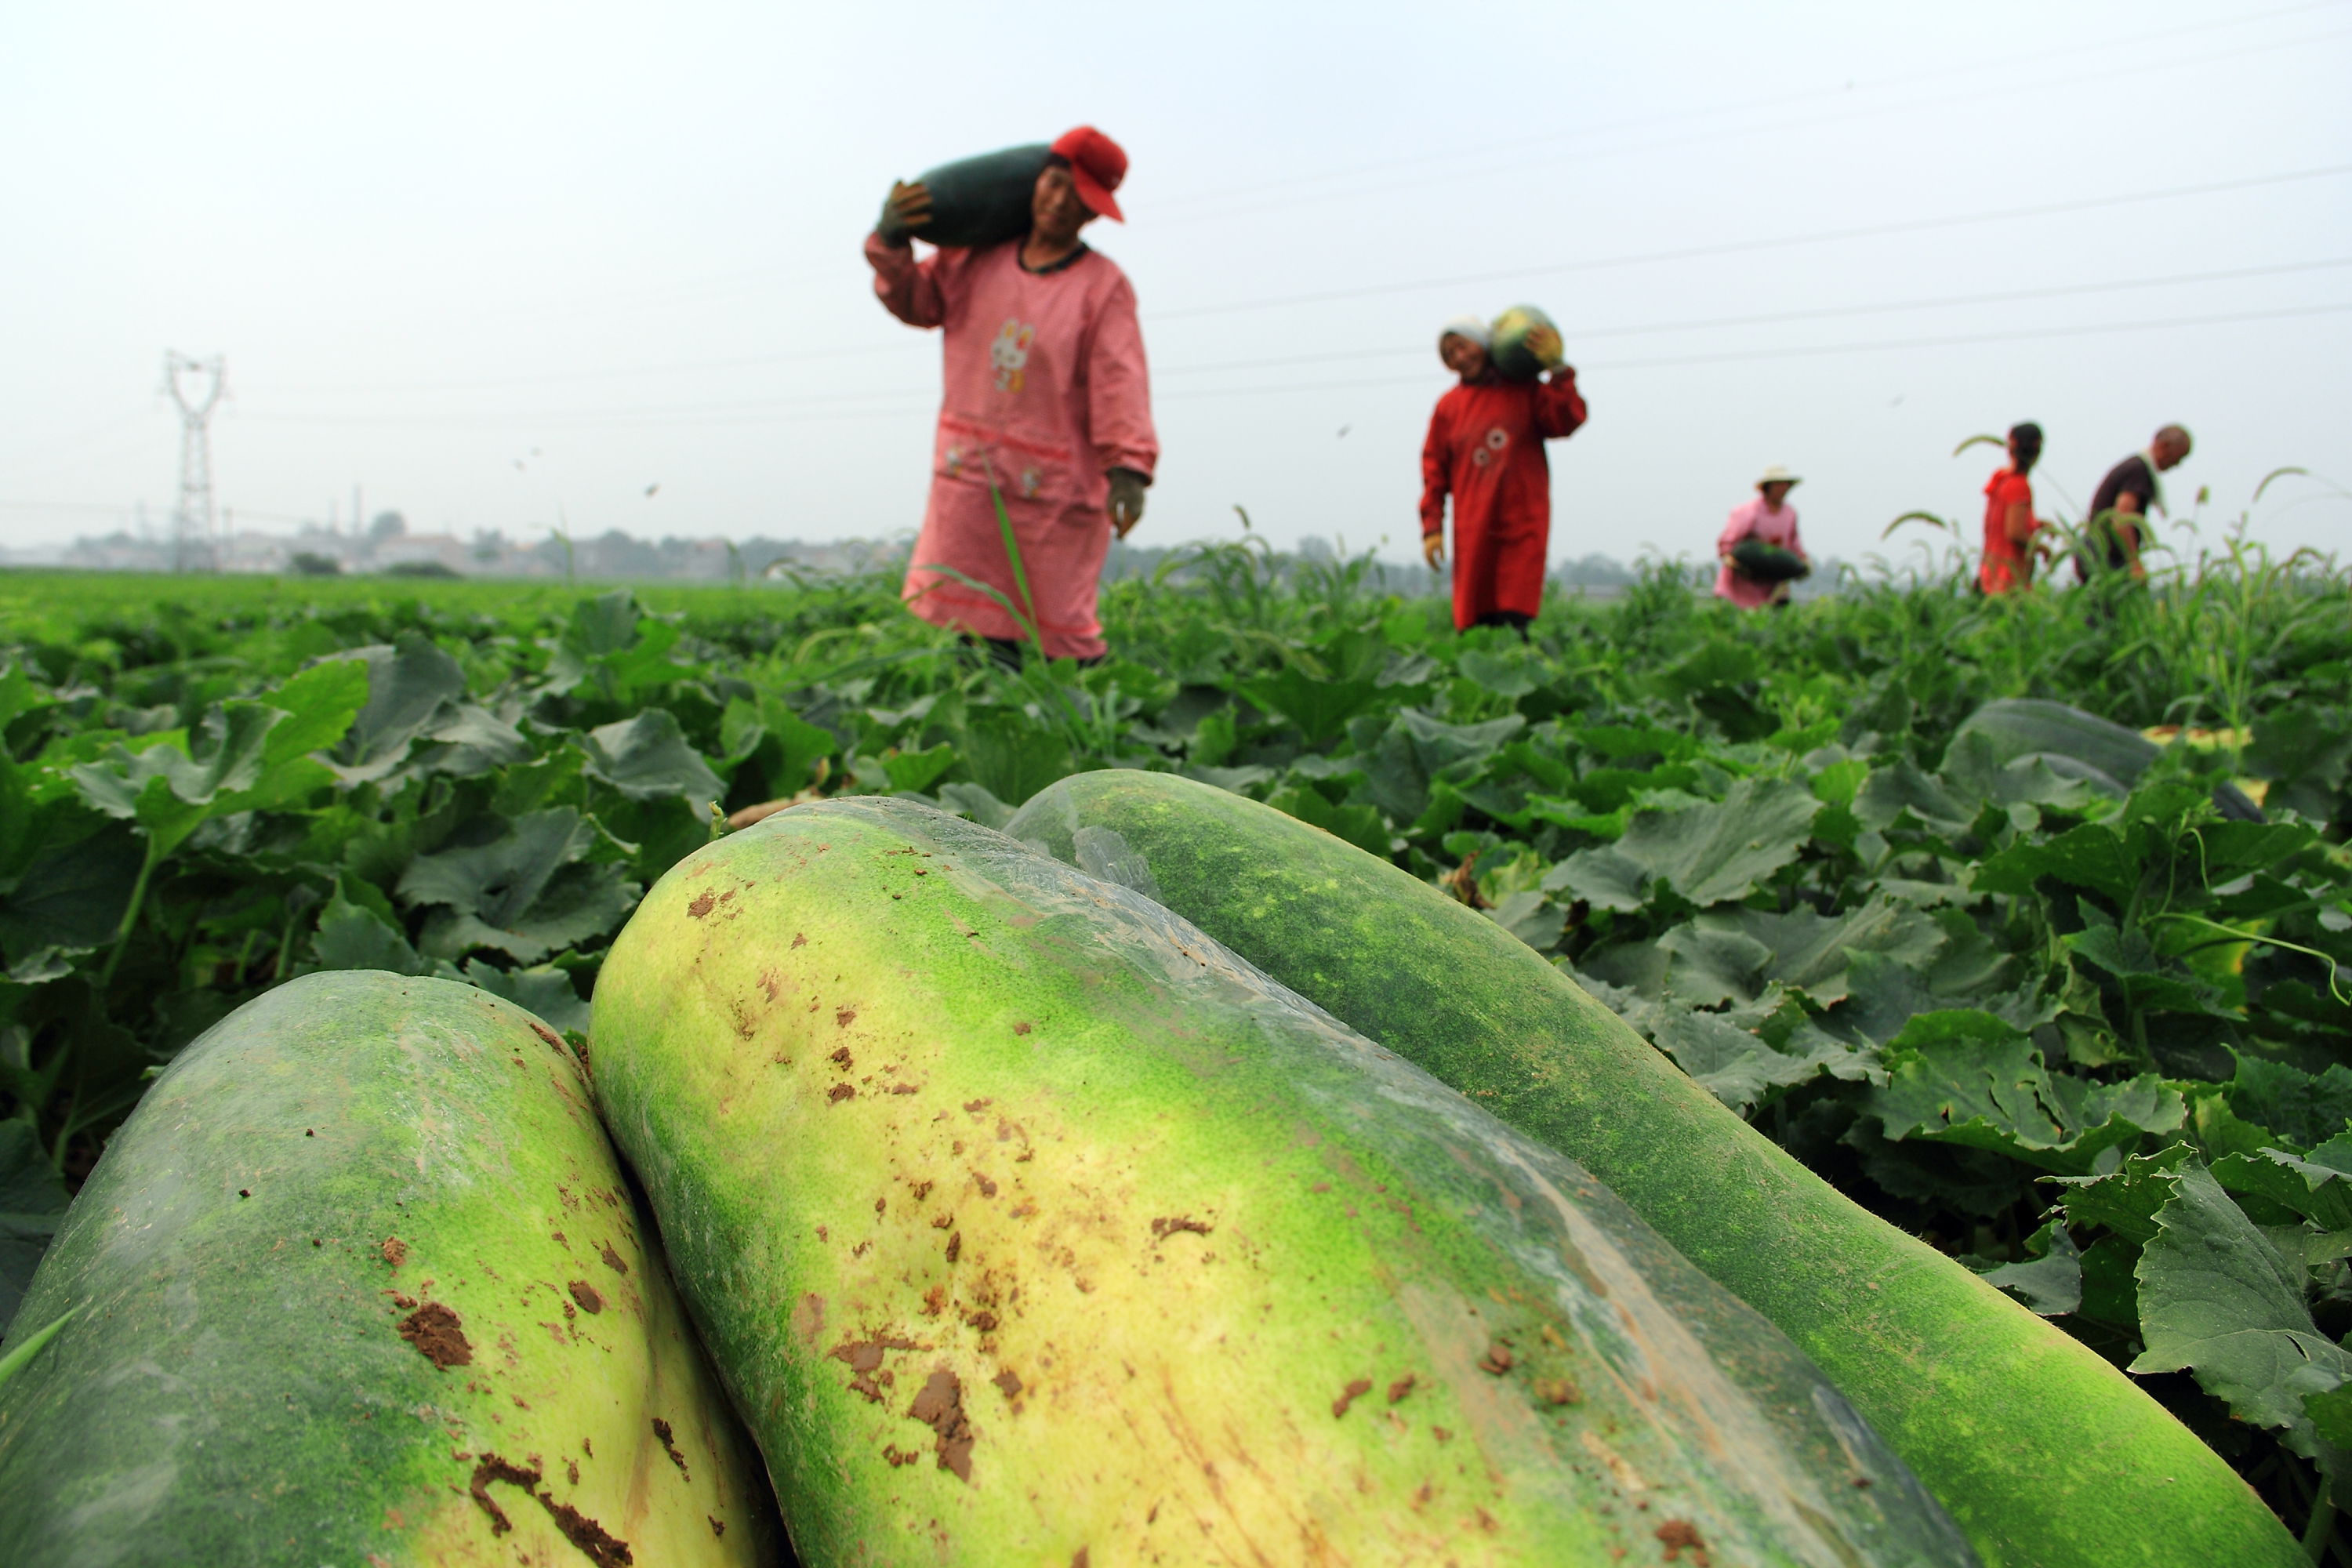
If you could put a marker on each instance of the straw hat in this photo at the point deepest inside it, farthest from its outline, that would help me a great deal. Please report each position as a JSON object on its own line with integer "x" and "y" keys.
{"x": 1778, "y": 474}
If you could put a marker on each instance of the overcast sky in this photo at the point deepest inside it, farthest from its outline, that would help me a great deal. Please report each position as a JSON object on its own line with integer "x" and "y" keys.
{"x": 618, "y": 246}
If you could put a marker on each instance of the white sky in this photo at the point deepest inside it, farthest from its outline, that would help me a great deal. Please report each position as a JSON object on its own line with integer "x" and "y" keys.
{"x": 433, "y": 239}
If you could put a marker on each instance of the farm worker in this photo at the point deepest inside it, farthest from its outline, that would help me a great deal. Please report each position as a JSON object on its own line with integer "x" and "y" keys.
{"x": 1047, "y": 400}
{"x": 1769, "y": 517}
{"x": 2119, "y": 507}
{"x": 1485, "y": 449}
{"x": 2008, "y": 516}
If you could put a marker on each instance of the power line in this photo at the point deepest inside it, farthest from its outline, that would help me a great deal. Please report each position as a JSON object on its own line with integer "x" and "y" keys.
{"x": 1574, "y": 334}
{"x": 1775, "y": 102}
{"x": 1456, "y": 175}
{"x": 1779, "y": 242}
{"x": 1813, "y": 351}
{"x": 1585, "y": 334}
{"x": 823, "y": 410}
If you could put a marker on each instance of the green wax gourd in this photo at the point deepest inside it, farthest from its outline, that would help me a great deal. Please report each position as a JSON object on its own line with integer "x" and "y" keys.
{"x": 2045, "y": 1454}
{"x": 360, "y": 1282}
{"x": 984, "y": 200}
{"x": 1028, "y": 1225}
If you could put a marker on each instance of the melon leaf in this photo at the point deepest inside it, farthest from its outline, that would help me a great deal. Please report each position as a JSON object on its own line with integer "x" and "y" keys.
{"x": 2218, "y": 1300}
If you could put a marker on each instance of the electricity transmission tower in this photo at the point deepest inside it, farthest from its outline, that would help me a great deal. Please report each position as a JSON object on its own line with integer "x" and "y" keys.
{"x": 192, "y": 522}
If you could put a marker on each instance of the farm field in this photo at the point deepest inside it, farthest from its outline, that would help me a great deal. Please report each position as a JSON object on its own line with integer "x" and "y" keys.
{"x": 2083, "y": 1021}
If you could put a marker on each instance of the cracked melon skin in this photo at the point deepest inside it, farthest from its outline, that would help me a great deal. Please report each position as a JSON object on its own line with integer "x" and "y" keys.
{"x": 1028, "y": 1225}
{"x": 2044, "y": 1453}
{"x": 360, "y": 1282}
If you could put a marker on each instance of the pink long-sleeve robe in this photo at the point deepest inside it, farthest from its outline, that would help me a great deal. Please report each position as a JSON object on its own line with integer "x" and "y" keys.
{"x": 1047, "y": 391}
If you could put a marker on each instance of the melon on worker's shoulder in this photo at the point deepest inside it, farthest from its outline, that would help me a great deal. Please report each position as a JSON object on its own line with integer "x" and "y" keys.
{"x": 1512, "y": 360}
{"x": 983, "y": 200}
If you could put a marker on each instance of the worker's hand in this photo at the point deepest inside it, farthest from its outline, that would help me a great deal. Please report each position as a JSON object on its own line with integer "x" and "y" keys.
{"x": 1433, "y": 550}
{"x": 1544, "y": 343}
{"x": 1125, "y": 504}
{"x": 908, "y": 209}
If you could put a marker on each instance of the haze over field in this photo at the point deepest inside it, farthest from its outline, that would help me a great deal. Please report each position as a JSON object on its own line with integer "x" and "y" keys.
{"x": 502, "y": 266}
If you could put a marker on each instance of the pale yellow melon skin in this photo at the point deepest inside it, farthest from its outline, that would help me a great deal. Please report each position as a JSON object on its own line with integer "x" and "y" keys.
{"x": 1208, "y": 1277}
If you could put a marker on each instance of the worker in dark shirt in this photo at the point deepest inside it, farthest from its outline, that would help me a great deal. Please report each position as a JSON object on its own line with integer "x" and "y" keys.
{"x": 2120, "y": 507}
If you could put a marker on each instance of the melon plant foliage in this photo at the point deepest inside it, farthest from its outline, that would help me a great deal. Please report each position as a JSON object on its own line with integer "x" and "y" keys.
{"x": 2090, "y": 1034}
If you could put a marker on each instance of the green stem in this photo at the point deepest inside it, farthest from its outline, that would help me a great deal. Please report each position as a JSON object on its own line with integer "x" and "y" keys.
{"x": 2322, "y": 1522}
{"x": 130, "y": 915}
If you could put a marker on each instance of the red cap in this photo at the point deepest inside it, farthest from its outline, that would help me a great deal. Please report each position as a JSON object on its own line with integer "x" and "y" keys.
{"x": 1097, "y": 164}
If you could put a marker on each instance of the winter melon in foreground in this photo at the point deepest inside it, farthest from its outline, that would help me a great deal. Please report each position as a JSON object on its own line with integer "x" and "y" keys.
{"x": 361, "y": 1283}
{"x": 2043, "y": 1452}
{"x": 1028, "y": 1225}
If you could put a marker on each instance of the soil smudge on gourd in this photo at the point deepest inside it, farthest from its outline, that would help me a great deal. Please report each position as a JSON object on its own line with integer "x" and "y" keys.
{"x": 438, "y": 1334}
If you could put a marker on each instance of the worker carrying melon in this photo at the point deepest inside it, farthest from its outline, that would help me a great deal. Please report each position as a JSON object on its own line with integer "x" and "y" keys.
{"x": 1485, "y": 449}
{"x": 1759, "y": 547}
{"x": 1047, "y": 403}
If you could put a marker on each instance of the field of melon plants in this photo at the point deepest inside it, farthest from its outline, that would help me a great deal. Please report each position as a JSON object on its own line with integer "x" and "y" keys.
{"x": 2025, "y": 924}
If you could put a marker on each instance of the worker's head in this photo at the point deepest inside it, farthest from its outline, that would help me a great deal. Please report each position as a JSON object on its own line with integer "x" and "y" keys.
{"x": 1775, "y": 486}
{"x": 2024, "y": 445}
{"x": 1462, "y": 344}
{"x": 2171, "y": 445}
{"x": 1055, "y": 212}
{"x": 1075, "y": 187}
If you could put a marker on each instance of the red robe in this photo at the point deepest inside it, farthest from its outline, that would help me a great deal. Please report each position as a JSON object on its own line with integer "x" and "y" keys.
{"x": 1485, "y": 448}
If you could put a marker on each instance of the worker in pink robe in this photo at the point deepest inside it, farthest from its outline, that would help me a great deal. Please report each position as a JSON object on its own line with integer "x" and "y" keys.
{"x": 1769, "y": 517}
{"x": 1047, "y": 399}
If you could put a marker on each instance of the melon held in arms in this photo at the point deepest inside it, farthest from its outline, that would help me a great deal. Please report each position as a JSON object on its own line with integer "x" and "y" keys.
{"x": 2043, "y": 1452}
{"x": 1029, "y": 1226}
{"x": 360, "y": 1282}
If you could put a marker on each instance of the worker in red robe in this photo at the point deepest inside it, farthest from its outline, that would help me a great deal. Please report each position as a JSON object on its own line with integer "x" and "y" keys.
{"x": 1485, "y": 448}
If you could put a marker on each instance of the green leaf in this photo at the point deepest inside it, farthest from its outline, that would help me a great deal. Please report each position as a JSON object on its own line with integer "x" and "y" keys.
{"x": 2050, "y": 1282}
{"x": 410, "y": 683}
{"x": 2314, "y": 1187}
{"x": 1890, "y": 792}
{"x": 2301, "y": 1109}
{"x": 2216, "y": 1298}
{"x": 2125, "y": 1200}
{"x": 1706, "y": 965}
{"x": 2093, "y": 855}
{"x": 1361, "y": 825}
{"x": 32, "y": 1203}
{"x": 918, "y": 770}
{"x": 1715, "y": 853}
{"x": 1602, "y": 878}
{"x": 970, "y": 800}
{"x": 2149, "y": 983}
{"x": 72, "y": 895}
{"x": 647, "y": 758}
{"x": 1706, "y": 854}
{"x": 1012, "y": 756}
{"x": 543, "y": 991}
{"x": 1813, "y": 952}
{"x": 355, "y": 936}
{"x": 2331, "y": 1414}
{"x": 1741, "y": 1069}
{"x": 527, "y": 893}
{"x": 1531, "y": 917}
{"x": 1318, "y": 708}
{"x": 1965, "y": 1077}
{"x": 1417, "y": 752}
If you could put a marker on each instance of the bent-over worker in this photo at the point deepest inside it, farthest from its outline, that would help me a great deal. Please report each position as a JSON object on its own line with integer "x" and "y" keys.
{"x": 2121, "y": 505}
